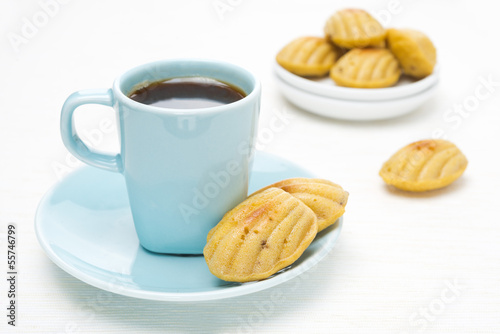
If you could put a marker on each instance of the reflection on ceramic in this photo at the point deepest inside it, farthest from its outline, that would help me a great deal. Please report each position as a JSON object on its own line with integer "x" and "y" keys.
{"x": 85, "y": 226}
{"x": 353, "y": 110}
{"x": 326, "y": 87}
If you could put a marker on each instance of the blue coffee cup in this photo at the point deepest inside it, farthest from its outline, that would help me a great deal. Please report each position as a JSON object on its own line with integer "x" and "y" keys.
{"x": 184, "y": 168}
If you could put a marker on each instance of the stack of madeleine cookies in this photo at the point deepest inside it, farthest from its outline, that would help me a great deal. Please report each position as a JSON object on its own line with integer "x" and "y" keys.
{"x": 272, "y": 228}
{"x": 358, "y": 52}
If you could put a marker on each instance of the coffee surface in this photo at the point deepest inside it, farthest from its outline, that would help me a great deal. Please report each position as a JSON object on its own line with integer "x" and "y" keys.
{"x": 187, "y": 93}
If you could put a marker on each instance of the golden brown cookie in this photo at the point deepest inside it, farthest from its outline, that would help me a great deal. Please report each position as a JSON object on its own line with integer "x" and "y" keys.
{"x": 308, "y": 56}
{"x": 366, "y": 68}
{"x": 354, "y": 28}
{"x": 325, "y": 198}
{"x": 263, "y": 234}
{"x": 414, "y": 51}
{"x": 424, "y": 165}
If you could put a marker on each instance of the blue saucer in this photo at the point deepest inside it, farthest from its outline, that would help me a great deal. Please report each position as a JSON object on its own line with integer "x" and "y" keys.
{"x": 85, "y": 226}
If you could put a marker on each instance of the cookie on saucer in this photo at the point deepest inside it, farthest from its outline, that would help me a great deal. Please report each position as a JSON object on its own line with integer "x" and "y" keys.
{"x": 326, "y": 199}
{"x": 262, "y": 235}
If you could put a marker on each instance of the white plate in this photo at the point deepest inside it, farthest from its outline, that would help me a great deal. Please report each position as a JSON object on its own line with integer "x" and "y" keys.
{"x": 327, "y": 87}
{"x": 353, "y": 110}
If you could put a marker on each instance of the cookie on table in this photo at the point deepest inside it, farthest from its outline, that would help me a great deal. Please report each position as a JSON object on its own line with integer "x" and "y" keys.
{"x": 262, "y": 235}
{"x": 325, "y": 198}
{"x": 366, "y": 68}
{"x": 414, "y": 51}
{"x": 354, "y": 28}
{"x": 308, "y": 56}
{"x": 424, "y": 165}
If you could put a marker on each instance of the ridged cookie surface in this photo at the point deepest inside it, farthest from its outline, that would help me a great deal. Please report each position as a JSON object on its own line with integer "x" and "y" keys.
{"x": 263, "y": 234}
{"x": 308, "y": 56}
{"x": 354, "y": 28}
{"x": 366, "y": 68}
{"x": 414, "y": 50}
{"x": 424, "y": 165}
{"x": 325, "y": 198}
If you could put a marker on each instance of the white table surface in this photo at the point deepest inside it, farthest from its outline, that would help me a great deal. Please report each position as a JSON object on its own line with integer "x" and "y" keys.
{"x": 398, "y": 254}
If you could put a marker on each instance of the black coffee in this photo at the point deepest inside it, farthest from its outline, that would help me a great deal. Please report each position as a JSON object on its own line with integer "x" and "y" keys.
{"x": 187, "y": 93}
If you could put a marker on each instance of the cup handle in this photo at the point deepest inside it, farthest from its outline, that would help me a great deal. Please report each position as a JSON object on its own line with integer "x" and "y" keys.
{"x": 71, "y": 139}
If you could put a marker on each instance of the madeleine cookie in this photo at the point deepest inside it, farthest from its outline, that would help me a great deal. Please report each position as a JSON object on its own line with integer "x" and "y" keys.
{"x": 414, "y": 50}
{"x": 366, "y": 68}
{"x": 354, "y": 28}
{"x": 326, "y": 199}
{"x": 424, "y": 165}
{"x": 263, "y": 234}
{"x": 308, "y": 56}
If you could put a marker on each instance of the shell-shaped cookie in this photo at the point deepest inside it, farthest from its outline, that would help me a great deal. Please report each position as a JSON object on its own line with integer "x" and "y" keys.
{"x": 366, "y": 68}
{"x": 354, "y": 28}
{"x": 325, "y": 198}
{"x": 260, "y": 236}
{"x": 424, "y": 165}
{"x": 308, "y": 56}
{"x": 414, "y": 51}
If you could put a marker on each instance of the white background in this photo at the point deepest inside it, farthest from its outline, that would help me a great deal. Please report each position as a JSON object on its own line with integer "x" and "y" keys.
{"x": 398, "y": 252}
